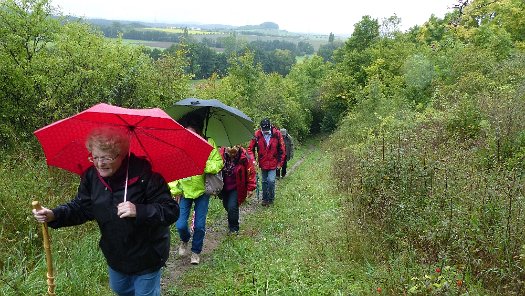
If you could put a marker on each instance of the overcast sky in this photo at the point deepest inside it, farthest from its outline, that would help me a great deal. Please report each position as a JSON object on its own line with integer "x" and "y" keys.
{"x": 324, "y": 16}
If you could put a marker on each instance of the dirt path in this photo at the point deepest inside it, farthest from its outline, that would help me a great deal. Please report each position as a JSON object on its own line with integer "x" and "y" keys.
{"x": 215, "y": 234}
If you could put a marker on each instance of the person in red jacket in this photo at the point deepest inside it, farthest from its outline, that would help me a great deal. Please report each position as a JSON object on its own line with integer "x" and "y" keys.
{"x": 267, "y": 148}
{"x": 239, "y": 182}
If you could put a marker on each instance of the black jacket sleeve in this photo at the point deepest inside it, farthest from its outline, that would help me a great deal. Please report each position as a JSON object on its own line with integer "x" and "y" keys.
{"x": 159, "y": 207}
{"x": 78, "y": 210}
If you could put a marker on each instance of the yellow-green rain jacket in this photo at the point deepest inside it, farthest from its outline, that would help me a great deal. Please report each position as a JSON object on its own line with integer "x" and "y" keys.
{"x": 193, "y": 187}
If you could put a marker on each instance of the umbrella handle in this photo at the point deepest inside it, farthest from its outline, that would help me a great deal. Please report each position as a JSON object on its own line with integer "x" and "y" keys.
{"x": 47, "y": 247}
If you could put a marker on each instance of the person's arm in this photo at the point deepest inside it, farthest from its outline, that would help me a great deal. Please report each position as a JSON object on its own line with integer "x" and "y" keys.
{"x": 175, "y": 188}
{"x": 75, "y": 212}
{"x": 214, "y": 163}
{"x": 281, "y": 150}
{"x": 250, "y": 175}
{"x": 252, "y": 149}
{"x": 291, "y": 147}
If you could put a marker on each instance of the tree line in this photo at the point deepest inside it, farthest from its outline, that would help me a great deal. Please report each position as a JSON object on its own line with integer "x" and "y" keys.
{"x": 208, "y": 55}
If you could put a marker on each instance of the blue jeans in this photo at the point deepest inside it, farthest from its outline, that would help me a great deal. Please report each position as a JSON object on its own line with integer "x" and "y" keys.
{"x": 201, "y": 210}
{"x": 231, "y": 205}
{"x": 135, "y": 285}
{"x": 268, "y": 185}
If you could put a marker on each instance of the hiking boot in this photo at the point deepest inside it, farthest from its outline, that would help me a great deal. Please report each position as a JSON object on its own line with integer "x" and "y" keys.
{"x": 265, "y": 203}
{"x": 183, "y": 249}
{"x": 195, "y": 259}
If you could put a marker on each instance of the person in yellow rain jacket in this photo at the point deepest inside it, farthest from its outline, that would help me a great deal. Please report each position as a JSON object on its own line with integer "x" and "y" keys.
{"x": 190, "y": 191}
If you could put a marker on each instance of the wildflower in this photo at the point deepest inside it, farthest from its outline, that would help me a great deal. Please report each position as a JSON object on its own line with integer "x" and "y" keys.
{"x": 438, "y": 270}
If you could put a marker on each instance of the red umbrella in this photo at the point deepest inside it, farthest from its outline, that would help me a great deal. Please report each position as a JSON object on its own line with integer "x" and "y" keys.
{"x": 173, "y": 151}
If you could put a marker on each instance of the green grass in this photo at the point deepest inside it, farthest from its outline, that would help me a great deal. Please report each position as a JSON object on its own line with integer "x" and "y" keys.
{"x": 161, "y": 45}
{"x": 295, "y": 247}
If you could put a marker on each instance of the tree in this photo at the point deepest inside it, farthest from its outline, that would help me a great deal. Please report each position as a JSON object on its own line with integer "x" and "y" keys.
{"x": 57, "y": 70}
{"x": 326, "y": 51}
{"x": 26, "y": 30}
{"x": 304, "y": 48}
{"x": 390, "y": 26}
{"x": 366, "y": 32}
{"x": 355, "y": 55}
{"x": 432, "y": 31}
{"x": 304, "y": 85}
{"x": 280, "y": 61}
{"x": 331, "y": 37}
{"x": 246, "y": 77}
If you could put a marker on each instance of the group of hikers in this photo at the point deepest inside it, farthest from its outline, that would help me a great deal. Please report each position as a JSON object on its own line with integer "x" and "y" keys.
{"x": 134, "y": 206}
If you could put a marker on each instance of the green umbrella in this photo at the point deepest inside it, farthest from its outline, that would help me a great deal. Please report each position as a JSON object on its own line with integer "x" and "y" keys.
{"x": 226, "y": 125}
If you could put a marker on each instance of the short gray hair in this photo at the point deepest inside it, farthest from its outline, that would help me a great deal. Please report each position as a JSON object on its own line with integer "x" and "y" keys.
{"x": 111, "y": 139}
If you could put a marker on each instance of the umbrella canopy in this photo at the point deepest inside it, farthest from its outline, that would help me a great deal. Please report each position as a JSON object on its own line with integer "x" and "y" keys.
{"x": 227, "y": 125}
{"x": 172, "y": 150}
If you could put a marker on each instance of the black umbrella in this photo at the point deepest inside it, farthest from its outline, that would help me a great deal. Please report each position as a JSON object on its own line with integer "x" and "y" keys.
{"x": 226, "y": 125}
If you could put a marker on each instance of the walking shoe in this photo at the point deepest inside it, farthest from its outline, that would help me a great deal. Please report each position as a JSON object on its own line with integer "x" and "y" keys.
{"x": 264, "y": 203}
{"x": 183, "y": 249}
{"x": 195, "y": 259}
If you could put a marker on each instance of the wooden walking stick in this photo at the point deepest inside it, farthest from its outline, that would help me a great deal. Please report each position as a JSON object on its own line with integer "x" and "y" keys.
{"x": 47, "y": 248}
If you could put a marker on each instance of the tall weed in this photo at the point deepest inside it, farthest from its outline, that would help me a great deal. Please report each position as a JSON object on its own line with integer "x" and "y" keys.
{"x": 427, "y": 192}
{"x": 78, "y": 262}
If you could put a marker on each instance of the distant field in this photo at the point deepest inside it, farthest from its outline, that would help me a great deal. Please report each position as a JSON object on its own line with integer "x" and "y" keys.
{"x": 151, "y": 44}
{"x": 199, "y": 35}
{"x": 181, "y": 30}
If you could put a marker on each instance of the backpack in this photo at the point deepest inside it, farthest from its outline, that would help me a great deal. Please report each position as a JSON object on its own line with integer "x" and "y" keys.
{"x": 213, "y": 183}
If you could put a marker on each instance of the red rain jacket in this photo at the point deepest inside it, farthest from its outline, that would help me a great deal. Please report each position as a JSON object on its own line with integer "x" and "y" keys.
{"x": 244, "y": 174}
{"x": 269, "y": 156}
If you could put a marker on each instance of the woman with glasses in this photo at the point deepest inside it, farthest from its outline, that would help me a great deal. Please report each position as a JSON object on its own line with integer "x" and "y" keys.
{"x": 133, "y": 208}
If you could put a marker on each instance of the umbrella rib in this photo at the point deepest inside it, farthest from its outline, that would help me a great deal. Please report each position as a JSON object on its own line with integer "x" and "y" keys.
{"x": 219, "y": 118}
{"x": 97, "y": 122}
{"x": 156, "y": 138}
{"x": 141, "y": 145}
{"x": 127, "y": 124}
{"x": 124, "y": 122}
{"x": 136, "y": 124}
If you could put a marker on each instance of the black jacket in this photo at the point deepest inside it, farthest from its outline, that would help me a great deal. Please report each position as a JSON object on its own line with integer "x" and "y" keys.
{"x": 131, "y": 245}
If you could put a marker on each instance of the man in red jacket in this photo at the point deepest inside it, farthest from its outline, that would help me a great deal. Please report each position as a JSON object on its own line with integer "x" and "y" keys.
{"x": 267, "y": 148}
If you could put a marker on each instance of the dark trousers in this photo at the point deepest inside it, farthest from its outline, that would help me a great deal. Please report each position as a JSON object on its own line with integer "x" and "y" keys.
{"x": 231, "y": 205}
{"x": 282, "y": 172}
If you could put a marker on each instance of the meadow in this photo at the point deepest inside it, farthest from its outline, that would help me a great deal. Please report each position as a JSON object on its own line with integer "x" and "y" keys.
{"x": 316, "y": 40}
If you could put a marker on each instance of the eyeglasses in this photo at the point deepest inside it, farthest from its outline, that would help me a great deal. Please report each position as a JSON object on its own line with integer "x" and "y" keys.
{"x": 103, "y": 159}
